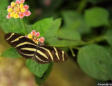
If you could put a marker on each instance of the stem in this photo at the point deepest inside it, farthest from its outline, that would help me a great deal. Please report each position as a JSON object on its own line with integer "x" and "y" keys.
{"x": 82, "y": 5}
{"x": 82, "y": 43}
{"x": 73, "y": 54}
{"x": 95, "y": 40}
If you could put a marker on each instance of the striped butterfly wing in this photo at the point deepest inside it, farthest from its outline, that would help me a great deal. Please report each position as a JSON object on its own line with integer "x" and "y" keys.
{"x": 24, "y": 45}
{"x": 29, "y": 49}
{"x": 49, "y": 54}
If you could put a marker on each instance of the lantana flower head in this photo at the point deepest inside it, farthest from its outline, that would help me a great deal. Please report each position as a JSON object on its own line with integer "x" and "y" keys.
{"x": 17, "y": 9}
{"x": 35, "y": 36}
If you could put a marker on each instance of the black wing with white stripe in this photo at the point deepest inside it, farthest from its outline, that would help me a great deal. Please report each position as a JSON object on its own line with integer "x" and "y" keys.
{"x": 29, "y": 49}
{"x": 24, "y": 46}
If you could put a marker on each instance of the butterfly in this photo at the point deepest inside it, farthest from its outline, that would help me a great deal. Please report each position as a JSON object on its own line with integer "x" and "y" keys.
{"x": 29, "y": 49}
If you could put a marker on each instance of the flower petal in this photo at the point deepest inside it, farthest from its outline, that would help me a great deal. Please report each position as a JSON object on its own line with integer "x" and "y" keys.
{"x": 37, "y": 34}
{"x": 41, "y": 39}
{"x": 27, "y": 13}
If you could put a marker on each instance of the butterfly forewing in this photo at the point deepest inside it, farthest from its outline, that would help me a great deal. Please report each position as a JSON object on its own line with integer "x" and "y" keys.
{"x": 24, "y": 45}
{"x": 29, "y": 49}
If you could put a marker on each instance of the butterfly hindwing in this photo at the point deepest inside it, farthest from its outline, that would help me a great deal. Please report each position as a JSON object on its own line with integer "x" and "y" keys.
{"x": 50, "y": 54}
{"x": 29, "y": 49}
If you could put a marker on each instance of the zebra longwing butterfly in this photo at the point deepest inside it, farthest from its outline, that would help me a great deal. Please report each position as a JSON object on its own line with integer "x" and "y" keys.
{"x": 29, "y": 49}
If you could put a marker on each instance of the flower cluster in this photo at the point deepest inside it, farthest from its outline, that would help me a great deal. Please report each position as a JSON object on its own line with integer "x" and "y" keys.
{"x": 18, "y": 9}
{"x": 35, "y": 36}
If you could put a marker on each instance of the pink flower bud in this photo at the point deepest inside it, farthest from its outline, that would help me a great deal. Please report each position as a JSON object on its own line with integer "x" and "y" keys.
{"x": 33, "y": 32}
{"x": 8, "y": 16}
{"x": 26, "y": 7}
{"x": 22, "y": 1}
{"x": 17, "y": 1}
{"x": 27, "y": 13}
{"x": 9, "y": 6}
{"x": 21, "y": 15}
{"x": 37, "y": 34}
{"x": 41, "y": 39}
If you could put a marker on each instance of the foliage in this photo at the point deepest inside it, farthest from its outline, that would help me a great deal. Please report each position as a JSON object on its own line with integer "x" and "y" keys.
{"x": 11, "y": 52}
{"x": 41, "y": 71}
{"x": 96, "y": 17}
{"x": 87, "y": 29}
{"x": 94, "y": 60}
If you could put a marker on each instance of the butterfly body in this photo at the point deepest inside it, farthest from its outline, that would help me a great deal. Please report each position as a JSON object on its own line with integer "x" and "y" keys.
{"x": 29, "y": 49}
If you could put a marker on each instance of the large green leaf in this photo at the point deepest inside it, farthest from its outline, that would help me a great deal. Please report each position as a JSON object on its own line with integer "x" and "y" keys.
{"x": 74, "y": 20}
{"x": 43, "y": 25}
{"x": 52, "y": 31}
{"x": 97, "y": 17}
{"x": 69, "y": 34}
{"x": 71, "y": 18}
{"x": 36, "y": 68}
{"x": 59, "y": 37}
{"x": 45, "y": 75}
{"x": 11, "y": 52}
{"x": 108, "y": 36}
{"x": 96, "y": 61}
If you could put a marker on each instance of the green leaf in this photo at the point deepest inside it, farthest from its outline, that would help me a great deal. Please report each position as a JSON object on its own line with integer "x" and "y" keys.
{"x": 11, "y": 52}
{"x": 69, "y": 34}
{"x": 63, "y": 43}
{"x": 108, "y": 36}
{"x": 96, "y": 17}
{"x": 3, "y": 4}
{"x": 11, "y": 25}
{"x": 71, "y": 17}
{"x": 52, "y": 31}
{"x": 53, "y": 39}
{"x": 37, "y": 69}
{"x": 96, "y": 61}
{"x": 74, "y": 20}
{"x": 44, "y": 77}
{"x": 43, "y": 25}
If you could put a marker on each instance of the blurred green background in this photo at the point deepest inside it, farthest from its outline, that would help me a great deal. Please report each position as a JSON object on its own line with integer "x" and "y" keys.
{"x": 80, "y": 27}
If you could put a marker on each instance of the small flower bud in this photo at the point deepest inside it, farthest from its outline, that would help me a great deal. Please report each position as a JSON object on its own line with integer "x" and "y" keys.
{"x": 12, "y": 14}
{"x": 13, "y": 4}
{"x": 41, "y": 39}
{"x": 26, "y": 7}
{"x": 16, "y": 16}
{"x": 30, "y": 36}
{"x": 22, "y": 1}
{"x": 9, "y": 6}
{"x": 37, "y": 34}
{"x": 23, "y": 10}
{"x": 21, "y": 15}
{"x": 8, "y": 16}
{"x": 17, "y": 2}
{"x": 21, "y": 5}
{"x": 33, "y": 32}
{"x": 9, "y": 9}
{"x": 27, "y": 13}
